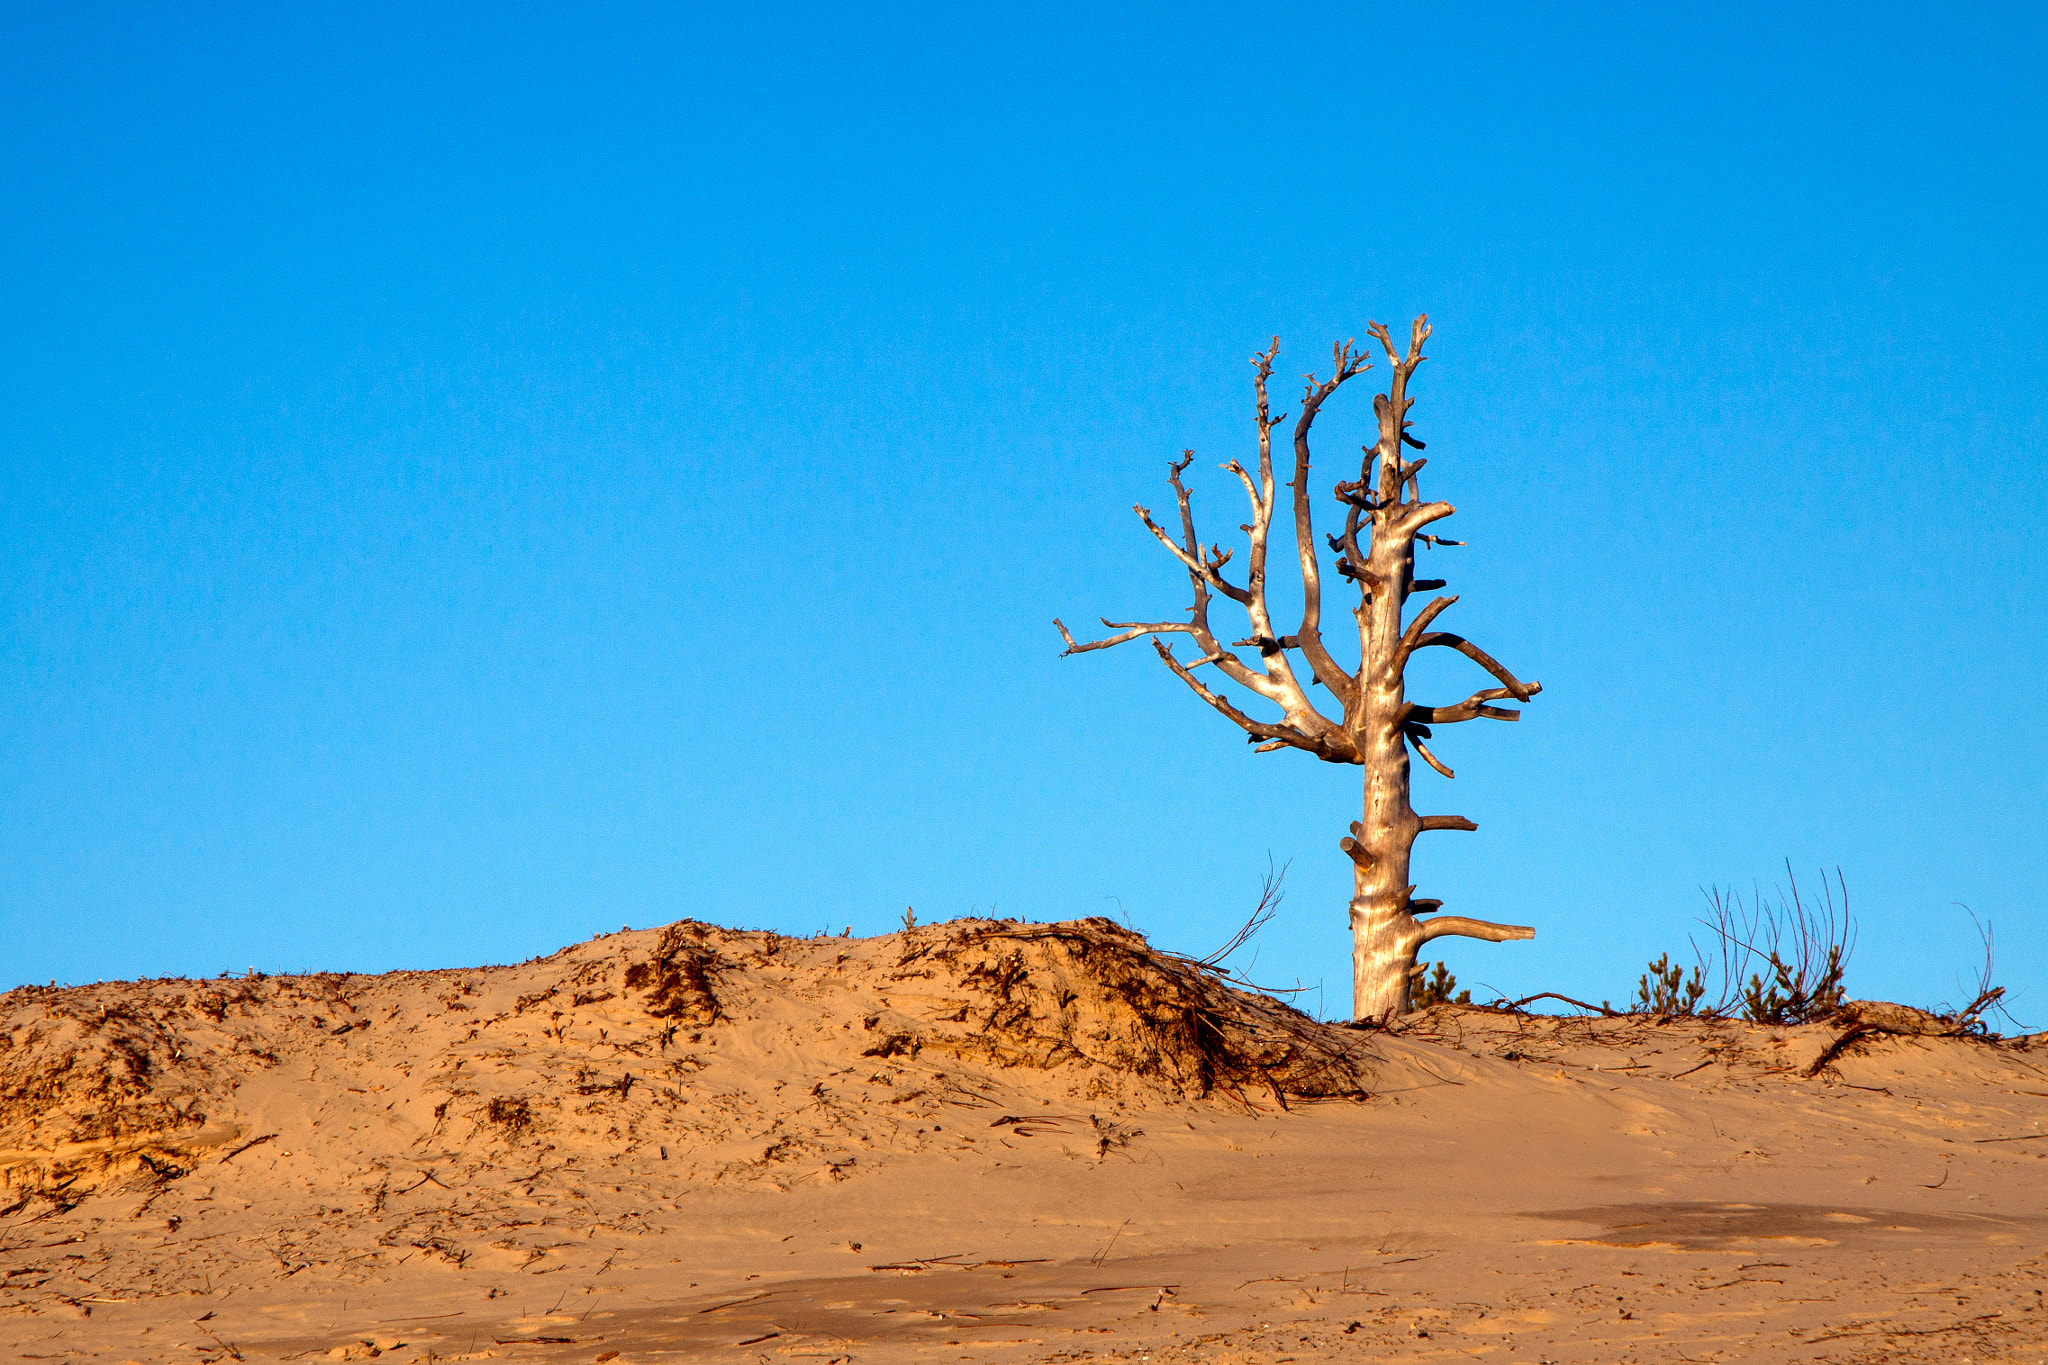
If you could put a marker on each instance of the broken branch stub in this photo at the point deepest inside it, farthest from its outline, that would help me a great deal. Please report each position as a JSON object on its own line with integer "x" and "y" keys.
{"x": 1374, "y": 725}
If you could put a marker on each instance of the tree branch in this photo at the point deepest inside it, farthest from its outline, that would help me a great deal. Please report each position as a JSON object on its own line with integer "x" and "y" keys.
{"x": 1198, "y": 626}
{"x": 1420, "y": 514}
{"x": 1473, "y": 928}
{"x": 1423, "y": 749}
{"x": 1353, "y": 845}
{"x": 1429, "y": 822}
{"x": 1392, "y": 410}
{"x": 1418, "y": 333}
{"x": 1345, "y": 364}
{"x": 1133, "y": 632}
{"x": 1416, "y": 627}
{"x": 1192, "y": 562}
{"x": 1251, "y": 490}
{"x": 1521, "y": 691}
{"x": 1471, "y": 708}
{"x": 1198, "y": 614}
{"x": 1276, "y": 681}
{"x": 1257, "y": 729}
{"x": 1405, "y": 474}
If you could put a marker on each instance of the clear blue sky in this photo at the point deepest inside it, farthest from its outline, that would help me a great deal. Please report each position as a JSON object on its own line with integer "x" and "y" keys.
{"x": 476, "y": 478}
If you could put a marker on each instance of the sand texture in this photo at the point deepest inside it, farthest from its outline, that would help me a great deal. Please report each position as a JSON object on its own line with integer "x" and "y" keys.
{"x": 988, "y": 1141}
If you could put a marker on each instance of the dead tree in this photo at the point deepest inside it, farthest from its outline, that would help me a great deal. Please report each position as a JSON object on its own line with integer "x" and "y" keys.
{"x": 1383, "y": 518}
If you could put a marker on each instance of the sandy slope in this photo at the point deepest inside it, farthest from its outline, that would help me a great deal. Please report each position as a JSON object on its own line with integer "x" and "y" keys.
{"x": 981, "y": 1141}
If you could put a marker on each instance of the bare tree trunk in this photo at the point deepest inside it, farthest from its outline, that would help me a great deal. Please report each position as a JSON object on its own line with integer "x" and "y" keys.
{"x": 1385, "y": 932}
{"x": 1379, "y": 724}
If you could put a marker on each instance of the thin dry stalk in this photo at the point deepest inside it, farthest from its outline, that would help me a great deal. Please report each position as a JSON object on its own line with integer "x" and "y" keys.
{"x": 1970, "y": 1018}
{"x": 1271, "y": 894}
{"x": 1792, "y": 952}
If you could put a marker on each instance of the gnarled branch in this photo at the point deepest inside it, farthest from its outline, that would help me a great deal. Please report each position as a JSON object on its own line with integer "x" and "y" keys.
{"x": 1518, "y": 689}
{"x": 1192, "y": 560}
{"x": 1473, "y": 707}
{"x": 1306, "y": 727}
{"x": 1417, "y": 627}
{"x": 1131, "y": 631}
{"x": 1392, "y": 409}
{"x": 1283, "y": 735}
{"x": 1276, "y": 683}
{"x": 1344, "y": 364}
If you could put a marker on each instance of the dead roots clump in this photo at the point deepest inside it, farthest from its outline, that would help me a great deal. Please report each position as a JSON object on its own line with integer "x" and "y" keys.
{"x": 513, "y": 1114}
{"x": 677, "y": 978}
{"x": 1091, "y": 993}
{"x": 89, "y": 1095}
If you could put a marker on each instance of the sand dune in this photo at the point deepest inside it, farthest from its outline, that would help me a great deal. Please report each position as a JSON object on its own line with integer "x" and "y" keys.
{"x": 990, "y": 1141}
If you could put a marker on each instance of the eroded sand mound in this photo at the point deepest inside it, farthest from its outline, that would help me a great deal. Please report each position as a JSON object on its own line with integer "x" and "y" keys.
{"x": 741, "y": 1055}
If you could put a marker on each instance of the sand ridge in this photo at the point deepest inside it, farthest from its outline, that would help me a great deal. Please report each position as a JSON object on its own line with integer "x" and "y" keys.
{"x": 985, "y": 1140}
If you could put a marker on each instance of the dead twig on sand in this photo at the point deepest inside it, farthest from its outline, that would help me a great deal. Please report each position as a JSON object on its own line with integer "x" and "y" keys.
{"x": 252, "y": 1142}
{"x": 1963, "y": 1326}
{"x": 735, "y": 1303}
{"x": 918, "y": 1263}
{"x": 429, "y": 1176}
{"x": 1122, "y": 1288}
{"x": 1508, "y": 1006}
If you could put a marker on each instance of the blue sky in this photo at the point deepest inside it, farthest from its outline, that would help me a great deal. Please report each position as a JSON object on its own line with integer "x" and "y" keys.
{"x": 473, "y": 479}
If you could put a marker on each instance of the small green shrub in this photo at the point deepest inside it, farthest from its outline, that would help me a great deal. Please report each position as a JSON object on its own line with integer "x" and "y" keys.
{"x": 1437, "y": 989}
{"x": 1664, "y": 989}
{"x": 1798, "y": 992}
